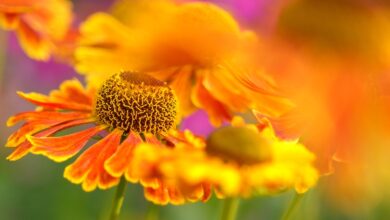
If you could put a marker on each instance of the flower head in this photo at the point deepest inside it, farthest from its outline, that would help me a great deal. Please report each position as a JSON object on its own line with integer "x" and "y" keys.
{"x": 129, "y": 108}
{"x": 39, "y": 25}
{"x": 242, "y": 160}
{"x": 136, "y": 102}
{"x": 197, "y": 48}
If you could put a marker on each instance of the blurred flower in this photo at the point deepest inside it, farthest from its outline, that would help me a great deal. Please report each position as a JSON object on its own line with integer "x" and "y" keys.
{"x": 127, "y": 109}
{"x": 197, "y": 48}
{"x": 39, "y": 25}
{"x": 335, "y": 71}
{"x": 242, "y": 160}
{"x": 335, "y": 57}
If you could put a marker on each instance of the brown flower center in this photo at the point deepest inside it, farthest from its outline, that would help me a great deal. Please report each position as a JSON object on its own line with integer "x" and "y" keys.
{"x": 136, "y": 102}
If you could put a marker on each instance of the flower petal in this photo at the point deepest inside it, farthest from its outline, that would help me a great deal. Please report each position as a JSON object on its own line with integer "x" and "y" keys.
{"x": 89, "y": 170}
{"x": 29, "y": 128}
{"x": 42, "y": 120}
{"x": 33, "y": 43}
{"x": 119, "y": 162}
{"x": 73, "y": 91}
{"x": 164, "y": 195}
{"x": 203, "y": 99}
{"x": 36, "y": 115}
{"x": 62, "y": 148}
{"x": 38, "y": 24}
{"x": 70, "y": 96}
{"x": 24, "y": 147}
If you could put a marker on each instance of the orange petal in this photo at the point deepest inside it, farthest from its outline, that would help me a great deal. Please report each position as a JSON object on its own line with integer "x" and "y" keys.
{"x": 29, "y": 128}
{"x": 20, "y": 151}
{"x": 180, "y": 81}
{"x": 62, "y": 148}
{"x": 117, "y": 164}
{"x": 164, "y": 195}
{"x": 33, "y": 43}
{"x": 223, "y": 88}
{"x": 150, "y": 138}
{"x": 175, "y": 196}
{"x": 9, "y": 20}
{"x": 38, "y": 24}
{"x": 89, "y": 170}
{"x": 158, "y": 196}
{"x": 206, "y": 192}
{"x": 24, "y": 147}
{"x": 54, "y": 103}
{"x": 73, "y": 91}
{"x": 203, "y": 99}
{"x": 37, "y": 115}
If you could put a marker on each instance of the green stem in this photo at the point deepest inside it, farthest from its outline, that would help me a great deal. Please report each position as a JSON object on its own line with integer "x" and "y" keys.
{"x": 292, "y": 206}
{"x": 230, "y": 207}
{"x": 118, "y": 200}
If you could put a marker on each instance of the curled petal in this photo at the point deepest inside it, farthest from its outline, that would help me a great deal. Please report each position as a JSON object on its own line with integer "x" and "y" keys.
{"x": 71, "y": 96}
{"x": 25, "y": 147}
{"x": 29, "y": 128}
{"x": 20, "y": 151}
{"x": 215, "y": 109}
{"x": 73, "y": 91}
{"x": 62, "y": 148}
{"x": 89, "y": 170}
{"x": 39, "y": 121}
{"x": 37, "y": 115}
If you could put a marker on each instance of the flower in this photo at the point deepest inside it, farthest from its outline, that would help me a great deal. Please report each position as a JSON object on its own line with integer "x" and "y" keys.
{"x": 239, "y": 160}
{"x": 198, "y": 48}
{"x": 39, "y": 25}
{"x": 128, "y": 109}
{"x": 330, "y": 75}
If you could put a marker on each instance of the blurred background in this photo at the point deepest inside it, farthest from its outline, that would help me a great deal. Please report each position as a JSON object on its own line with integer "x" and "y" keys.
{"x": 332, "y": 57}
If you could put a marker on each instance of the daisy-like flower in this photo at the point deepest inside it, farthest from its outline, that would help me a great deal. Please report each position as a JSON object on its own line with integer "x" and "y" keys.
{"x": 128, "y": 109}
{"x": 239, "y": 160}
{"x": 39, "y": 25}
{"x": 198, "y": 48}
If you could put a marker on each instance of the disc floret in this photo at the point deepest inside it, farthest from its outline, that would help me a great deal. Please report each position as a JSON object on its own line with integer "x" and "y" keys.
{"x": 136, "y": 102}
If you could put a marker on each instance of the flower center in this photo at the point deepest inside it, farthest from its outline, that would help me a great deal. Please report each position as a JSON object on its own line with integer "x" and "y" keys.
{"x": 136, "y": 102}
{"x": 240, "y": 144}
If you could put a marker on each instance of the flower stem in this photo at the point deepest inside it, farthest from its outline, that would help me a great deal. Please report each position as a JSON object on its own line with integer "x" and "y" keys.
{"x": 118, "y": 199}
{"x": 230, "y": 207}
{"x": 292, "y": 206}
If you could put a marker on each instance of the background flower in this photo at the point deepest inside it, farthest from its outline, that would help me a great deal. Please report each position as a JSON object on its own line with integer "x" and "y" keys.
{"x": 198, "y": 48}
{"x": 40, "y": 25}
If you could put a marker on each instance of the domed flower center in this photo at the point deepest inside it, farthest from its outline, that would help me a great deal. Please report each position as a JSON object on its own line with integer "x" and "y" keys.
{"x": 239, "y": 144}
{"x": 136, "y": 102}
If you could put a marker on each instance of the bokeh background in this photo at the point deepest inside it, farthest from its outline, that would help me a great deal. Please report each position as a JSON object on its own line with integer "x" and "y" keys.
{"x": 313, "y": 38}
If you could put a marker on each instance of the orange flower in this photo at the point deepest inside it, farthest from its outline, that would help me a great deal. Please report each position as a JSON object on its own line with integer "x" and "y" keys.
{"x": 262, "y": 164}
{"x": 128, "y": 109}
{"x": 198, "y": 48}
{"x": 38, "y": 24}
{"x": 338, "y": 83}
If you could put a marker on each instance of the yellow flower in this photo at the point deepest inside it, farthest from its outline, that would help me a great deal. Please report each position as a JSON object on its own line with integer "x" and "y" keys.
{"x": 129, "y": 108}
{"x": 39, "y": 25}
{"x": 198, "y": 48}
{"x": 249, "y": 160}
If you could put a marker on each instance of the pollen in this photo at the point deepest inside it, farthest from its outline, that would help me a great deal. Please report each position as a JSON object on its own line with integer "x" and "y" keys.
{"x": 136, "y": 102}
